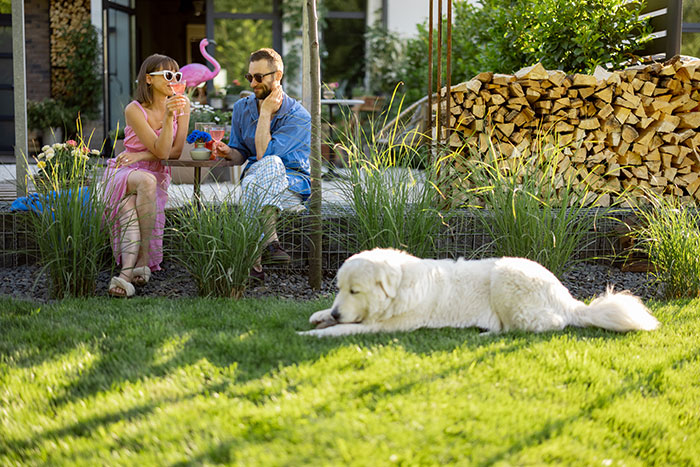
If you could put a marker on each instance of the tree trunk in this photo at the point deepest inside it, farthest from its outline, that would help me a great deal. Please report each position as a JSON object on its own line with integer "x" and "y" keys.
{"x": 315, "y": 111}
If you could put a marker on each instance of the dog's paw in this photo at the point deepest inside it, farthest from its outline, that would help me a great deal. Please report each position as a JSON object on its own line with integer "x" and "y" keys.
{"x": 321, "y": 317}
{"x": 313, "y": 332}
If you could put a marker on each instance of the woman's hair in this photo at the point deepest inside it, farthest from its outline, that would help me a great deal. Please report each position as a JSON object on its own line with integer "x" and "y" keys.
{"x": 155, "y": 62}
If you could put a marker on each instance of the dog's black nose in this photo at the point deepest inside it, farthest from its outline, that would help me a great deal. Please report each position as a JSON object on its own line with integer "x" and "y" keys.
{"x": 334, "y": 314}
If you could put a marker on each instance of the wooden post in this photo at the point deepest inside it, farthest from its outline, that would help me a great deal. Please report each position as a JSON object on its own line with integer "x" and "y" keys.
{"x": 674, "y": 27}
{"x": 315, "y": 111}
{"x": 20, "y": 96}
{"x": 430, "y": 67}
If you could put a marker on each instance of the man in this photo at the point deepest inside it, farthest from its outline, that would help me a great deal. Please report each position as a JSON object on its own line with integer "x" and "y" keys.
{"x": 272, "y": 132}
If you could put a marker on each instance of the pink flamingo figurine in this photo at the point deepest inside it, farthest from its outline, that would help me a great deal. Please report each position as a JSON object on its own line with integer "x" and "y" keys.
{"x": 196, "y": 73}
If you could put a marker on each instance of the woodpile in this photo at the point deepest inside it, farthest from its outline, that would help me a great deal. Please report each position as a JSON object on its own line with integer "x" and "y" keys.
{"x": 63, "y": 15}
{"x": 635, "y": 128}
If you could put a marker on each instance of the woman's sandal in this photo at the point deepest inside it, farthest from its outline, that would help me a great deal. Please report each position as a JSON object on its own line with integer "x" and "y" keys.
{"x": 141, "y": 276}
{"x": 118, "y": 283}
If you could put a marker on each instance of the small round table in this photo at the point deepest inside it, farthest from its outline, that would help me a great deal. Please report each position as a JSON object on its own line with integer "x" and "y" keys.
{"x": 197, "y": 165}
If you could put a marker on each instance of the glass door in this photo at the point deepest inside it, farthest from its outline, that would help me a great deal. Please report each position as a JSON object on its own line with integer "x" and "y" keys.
{"x": 118, "y": 20}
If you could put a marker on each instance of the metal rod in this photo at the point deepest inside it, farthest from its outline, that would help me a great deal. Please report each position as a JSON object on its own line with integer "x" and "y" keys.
{"x": 438, "y": 112}
{"x": 448, "y": 125}
{"x": 430, "y": 66}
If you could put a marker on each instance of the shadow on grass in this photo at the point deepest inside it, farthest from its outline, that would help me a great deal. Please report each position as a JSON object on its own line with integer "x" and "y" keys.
{"x": 248, "y": 339}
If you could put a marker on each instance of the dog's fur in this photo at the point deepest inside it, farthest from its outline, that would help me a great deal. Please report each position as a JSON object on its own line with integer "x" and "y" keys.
{"x": 386, "y": 290}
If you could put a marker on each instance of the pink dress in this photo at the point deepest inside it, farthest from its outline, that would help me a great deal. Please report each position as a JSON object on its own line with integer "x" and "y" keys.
{"x": 114, "y": 182}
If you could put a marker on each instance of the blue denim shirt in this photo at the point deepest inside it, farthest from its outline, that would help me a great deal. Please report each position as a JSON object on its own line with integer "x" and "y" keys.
{"x": 291, "y": 138}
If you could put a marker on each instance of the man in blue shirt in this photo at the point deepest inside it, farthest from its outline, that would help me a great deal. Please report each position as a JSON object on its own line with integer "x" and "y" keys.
{"x": 272, "y": 132}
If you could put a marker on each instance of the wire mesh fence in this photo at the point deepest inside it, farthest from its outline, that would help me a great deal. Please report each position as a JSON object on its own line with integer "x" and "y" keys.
{"x": 461, "y": 235}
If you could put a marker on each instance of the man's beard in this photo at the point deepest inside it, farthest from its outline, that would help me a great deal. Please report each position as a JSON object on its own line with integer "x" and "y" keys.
{"x": 264, "y": 92}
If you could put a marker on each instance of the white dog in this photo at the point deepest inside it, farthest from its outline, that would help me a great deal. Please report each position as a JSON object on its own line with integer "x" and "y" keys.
{"x": 386, "y": 290}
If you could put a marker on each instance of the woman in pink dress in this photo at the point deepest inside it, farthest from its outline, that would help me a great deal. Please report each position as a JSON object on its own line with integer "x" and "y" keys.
{"x": 135, "y": 182}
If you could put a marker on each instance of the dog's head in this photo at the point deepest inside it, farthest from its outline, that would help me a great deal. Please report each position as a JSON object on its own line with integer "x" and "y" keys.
{"x": 367, "y": 284}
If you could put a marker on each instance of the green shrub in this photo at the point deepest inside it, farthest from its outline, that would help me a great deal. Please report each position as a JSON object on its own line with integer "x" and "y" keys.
{"x": 47, "y": 113}
{"x": 82, "y": 89}
{"x": 505, "y": 35}
{"x": 396, "y": 205}
{"x": 669, "y": 234}
{"x": 218, "y": 245}
{"x": 70, "y": 230}
{"x": 531, "y": 211}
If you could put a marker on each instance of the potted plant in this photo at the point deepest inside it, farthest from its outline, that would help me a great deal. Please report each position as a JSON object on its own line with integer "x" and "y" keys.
{"x": 233, "y": 92}
{"x": 199, "y": 139}
{"x": 48, "y": 116}
{"x": 217, "y": 100}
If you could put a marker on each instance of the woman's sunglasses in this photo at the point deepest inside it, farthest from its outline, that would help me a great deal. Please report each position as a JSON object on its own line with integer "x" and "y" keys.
{"x": 258, "y": 76}
{"x": 168, "y": 75}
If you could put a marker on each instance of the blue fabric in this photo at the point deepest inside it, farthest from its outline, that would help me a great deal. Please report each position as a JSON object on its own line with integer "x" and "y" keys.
{"x": 291, "y": 139}
{"x": 35, "y": 201}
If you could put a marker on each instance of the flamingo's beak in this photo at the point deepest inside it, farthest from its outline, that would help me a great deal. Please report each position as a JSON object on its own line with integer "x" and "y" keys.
{"x": 212, "y": 41}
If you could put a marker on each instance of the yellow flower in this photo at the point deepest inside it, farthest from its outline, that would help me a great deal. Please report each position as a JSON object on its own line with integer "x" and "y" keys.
{"x": 41, "y": 165}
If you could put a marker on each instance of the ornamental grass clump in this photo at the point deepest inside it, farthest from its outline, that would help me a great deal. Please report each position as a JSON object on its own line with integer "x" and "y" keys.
{"x": 218, "y": 245}
{"x": 67, "y": 222}
{"x": 532, "y": 211}
{"x": 395, "y": 204}
{"x": 670, "y": 235}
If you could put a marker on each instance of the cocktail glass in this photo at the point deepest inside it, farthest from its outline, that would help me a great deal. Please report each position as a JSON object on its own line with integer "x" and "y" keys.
{"x": 217, "y": 132}
{"x": 178, "y": 88}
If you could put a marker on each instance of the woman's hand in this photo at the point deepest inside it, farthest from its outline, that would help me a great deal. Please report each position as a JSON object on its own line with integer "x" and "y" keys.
{"x": 177, "y": 105}
{"x": 125, "y": 159}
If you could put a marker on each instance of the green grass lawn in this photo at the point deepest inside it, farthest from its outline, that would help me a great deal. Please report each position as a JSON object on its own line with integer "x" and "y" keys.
{"x": 170, "y": 382}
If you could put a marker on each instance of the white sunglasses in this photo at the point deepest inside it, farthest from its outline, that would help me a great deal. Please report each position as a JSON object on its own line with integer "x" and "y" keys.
{"x": 168, "y": 75}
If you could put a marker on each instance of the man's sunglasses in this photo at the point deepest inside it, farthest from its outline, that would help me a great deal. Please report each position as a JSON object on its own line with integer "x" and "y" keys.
{"x": 258, "y": 76}
{"x": 168, "y": 75}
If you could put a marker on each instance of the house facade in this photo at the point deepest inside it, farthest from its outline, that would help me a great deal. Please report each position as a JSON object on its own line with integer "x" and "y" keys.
{"x": 130, "y": 30}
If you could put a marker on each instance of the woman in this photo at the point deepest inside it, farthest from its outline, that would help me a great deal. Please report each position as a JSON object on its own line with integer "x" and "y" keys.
{"x": 135, "y": 182}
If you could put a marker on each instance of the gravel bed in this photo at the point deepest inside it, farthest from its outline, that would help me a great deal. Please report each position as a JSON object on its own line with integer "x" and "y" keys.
{"x": 585, "y": 280}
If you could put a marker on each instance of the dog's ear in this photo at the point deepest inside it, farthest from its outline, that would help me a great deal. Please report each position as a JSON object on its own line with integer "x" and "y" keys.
{"x": 388, "y": 277}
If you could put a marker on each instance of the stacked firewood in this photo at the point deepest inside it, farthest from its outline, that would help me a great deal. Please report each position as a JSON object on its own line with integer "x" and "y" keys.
{"x": 63, "y": 15}
{"x": 616, "y": 131}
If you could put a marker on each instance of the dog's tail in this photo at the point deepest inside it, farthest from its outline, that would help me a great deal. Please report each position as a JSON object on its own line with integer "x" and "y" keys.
{"x": 620, "y": 312}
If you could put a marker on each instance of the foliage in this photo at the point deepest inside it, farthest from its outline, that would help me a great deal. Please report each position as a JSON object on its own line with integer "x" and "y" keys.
{"x": 5, "y": 7}
{"x": 60, "y": 165}
{"x": 235, "y": 88}
{"x": 70, "y": 229}
{"x": 205, "y": 113}
{"x": 395, "y": 205}
{"x": 670, "y": 235}
{"x": 218, "y": 245}
{"x": 384, "y": 50}
{"x": 531, "y": 211}
{"x": 82, "y": 90}
{"x": 47, "y": 113}
{"x": 198, "y": 137}
{"x": 505, "y": 35}
{"x": 221, "y": 382}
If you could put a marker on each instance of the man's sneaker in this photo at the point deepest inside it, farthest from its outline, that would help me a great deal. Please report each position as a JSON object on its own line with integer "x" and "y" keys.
{"x": 274, "y": 253}
{"x": 256, "y": 277}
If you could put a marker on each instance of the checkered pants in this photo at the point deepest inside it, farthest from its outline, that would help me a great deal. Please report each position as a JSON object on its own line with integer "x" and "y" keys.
{"x": 266, "y": 184}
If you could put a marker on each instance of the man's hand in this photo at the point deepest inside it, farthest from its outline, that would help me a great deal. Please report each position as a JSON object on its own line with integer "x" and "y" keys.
{"x": 272, "y": 102}
{"x": 221, "y": 149}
